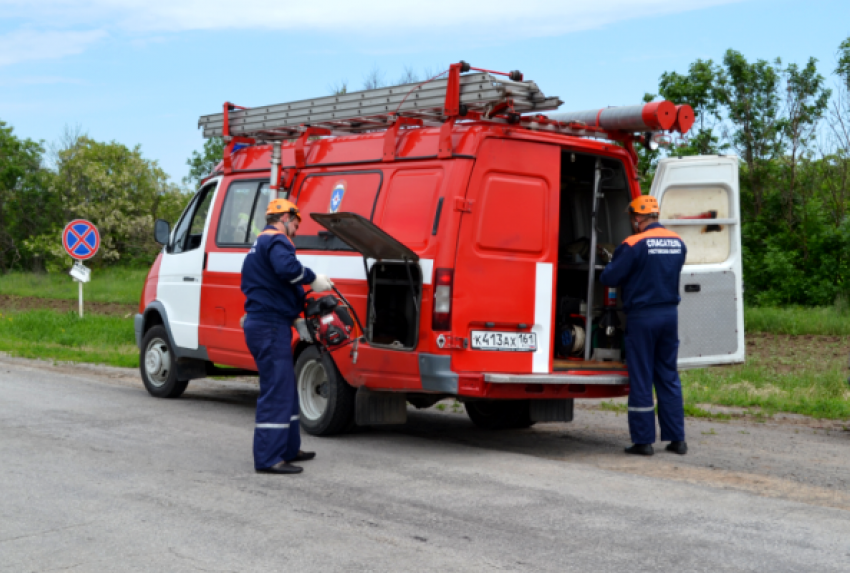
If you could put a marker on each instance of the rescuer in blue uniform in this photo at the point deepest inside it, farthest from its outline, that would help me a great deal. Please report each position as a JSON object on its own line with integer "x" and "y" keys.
{"x": 272, "y": 281}
{"x": 646, "y": 267}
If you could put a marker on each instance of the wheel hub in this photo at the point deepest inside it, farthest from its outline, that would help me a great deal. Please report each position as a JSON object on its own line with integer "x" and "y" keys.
{"x": 157, "y": 362}
{"x": 313, "y": 390}
{"x": 153, "y": 361}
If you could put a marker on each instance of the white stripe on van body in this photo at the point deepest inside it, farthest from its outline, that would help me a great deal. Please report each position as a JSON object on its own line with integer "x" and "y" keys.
{"x": 542, "y": 317}
{"x": 334, "y": 266}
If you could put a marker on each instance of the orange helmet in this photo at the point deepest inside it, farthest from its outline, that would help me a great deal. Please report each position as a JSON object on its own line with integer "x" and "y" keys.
{"x": 644, "y": 205}
{"x": 283, "y": 206}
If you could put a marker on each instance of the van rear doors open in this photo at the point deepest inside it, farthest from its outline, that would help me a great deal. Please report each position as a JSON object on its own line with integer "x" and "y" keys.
{"x": 699, "y": 200}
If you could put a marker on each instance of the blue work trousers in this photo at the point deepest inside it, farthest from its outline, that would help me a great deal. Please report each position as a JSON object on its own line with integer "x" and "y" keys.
{"x": 277, "y": 434}
{"x": 652, "y": 349}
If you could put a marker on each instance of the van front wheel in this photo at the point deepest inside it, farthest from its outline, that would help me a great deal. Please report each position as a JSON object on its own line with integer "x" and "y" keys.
{"x": 499, "y": 414}
{"x": 158, "y": 365}
{"x": 325, "y": 398}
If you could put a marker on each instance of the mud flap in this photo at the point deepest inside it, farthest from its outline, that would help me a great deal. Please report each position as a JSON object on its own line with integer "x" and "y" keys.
{"x": 551, "y": 410}
{"x": 379, "y": 408}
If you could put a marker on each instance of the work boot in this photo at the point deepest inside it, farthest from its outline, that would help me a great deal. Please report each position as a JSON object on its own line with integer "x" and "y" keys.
{"x": 641, "y": 450}
{"x": 678, "y": 447}
{"x": 281, "y": 468}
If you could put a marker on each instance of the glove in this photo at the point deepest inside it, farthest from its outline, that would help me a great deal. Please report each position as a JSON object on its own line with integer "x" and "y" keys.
{"x": 321, "y": 284}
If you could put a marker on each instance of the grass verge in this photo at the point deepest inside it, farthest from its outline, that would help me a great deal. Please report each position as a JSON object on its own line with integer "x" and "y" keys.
{"x": 116, "y": 285}
{"x": 796, "y": 321}
{"x": 815, "y": 394}
{"x": 47, "y": 334}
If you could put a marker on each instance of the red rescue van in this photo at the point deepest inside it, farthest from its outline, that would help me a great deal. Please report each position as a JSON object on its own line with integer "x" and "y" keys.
{"x": 468, "y": 240}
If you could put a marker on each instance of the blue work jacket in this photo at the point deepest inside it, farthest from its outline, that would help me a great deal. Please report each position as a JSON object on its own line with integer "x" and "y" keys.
{"x": 273, "y": 278}
{"x": 646, "y": 267}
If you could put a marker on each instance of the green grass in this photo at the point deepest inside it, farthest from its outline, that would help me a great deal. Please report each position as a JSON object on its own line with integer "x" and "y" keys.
{"x": 759, "y": 385}
{"x": 58, "y": 336}
{"x": 116, "y": 285}
{"x": 829, "y": 321}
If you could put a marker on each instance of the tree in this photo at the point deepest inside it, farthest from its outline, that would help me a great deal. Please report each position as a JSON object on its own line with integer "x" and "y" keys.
{"x": 699, "y": 89}
{"x": 119, "y": 191}
{"x": 374, "y": 79}
{"x": 338, "y": 88}
{"x": 409, "y": 76}
{"x": 843, "y": 69}
{"x": 750, "y": 95}
{"x": 806, "y": 99}
{"x": 26, "y": 206}
{"x": 202, "y": 164}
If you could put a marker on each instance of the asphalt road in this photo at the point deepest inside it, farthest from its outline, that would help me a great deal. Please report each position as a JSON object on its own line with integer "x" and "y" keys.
{"x": 98, "y": 476}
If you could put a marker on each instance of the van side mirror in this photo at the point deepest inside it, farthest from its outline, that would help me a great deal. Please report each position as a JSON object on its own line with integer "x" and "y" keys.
{"x": 161, "y": 231}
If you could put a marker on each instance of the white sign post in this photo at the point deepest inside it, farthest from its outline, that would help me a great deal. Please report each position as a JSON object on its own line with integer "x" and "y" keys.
{"x": 81, "y": 240}
{"x": 81, "y": 274}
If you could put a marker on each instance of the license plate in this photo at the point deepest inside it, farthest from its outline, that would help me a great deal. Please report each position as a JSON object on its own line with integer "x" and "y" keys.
{"x": 509, "y": 341}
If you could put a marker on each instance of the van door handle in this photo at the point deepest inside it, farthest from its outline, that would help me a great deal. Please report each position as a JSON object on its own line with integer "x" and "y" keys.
{"x": 189, "y": 279}
{"x": 692, "y": 288}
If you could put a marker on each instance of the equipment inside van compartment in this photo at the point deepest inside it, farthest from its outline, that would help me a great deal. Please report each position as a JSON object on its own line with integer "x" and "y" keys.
{"x": 575, "y": 237}
{"x": 466, "y": 226}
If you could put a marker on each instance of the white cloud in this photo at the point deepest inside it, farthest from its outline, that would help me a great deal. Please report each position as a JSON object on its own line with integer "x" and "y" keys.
{"x": 26, "y": 45}
{"x": 374, "y": 18}
{"x": 379, "y": 26}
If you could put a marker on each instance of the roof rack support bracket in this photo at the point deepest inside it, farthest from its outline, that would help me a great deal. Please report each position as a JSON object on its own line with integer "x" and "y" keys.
{"x": 391, "y": 136}
{"x": 300, "y": 155}
{"x": 445, "y": 151}
{"x": 227, "y": 155}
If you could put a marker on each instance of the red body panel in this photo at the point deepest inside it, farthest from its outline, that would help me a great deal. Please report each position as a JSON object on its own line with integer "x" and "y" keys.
{"x": 149, "y": 289}
{"x": 497, "y": 222}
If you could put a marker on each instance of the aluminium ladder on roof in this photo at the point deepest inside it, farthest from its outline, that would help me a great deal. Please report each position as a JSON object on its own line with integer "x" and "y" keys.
{"x": 365, "y": 110}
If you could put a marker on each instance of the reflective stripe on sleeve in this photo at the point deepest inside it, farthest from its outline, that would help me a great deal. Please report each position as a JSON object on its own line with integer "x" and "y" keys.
{"x": 294, "y": 418}
{"x": 647, "y": 409}
{"x": 300, "y": 277}
{"x": 273, "y": 426}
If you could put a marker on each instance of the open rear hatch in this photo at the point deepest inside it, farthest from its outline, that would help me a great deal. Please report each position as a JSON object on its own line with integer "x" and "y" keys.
{"x": 394, "y": 279}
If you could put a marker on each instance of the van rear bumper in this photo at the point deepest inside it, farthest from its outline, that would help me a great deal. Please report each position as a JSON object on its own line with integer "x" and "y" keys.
{"x": 594, "y": 379}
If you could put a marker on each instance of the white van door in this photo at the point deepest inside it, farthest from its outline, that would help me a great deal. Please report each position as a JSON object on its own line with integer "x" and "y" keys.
{"x": 699, "y": 199}
{"x": 181, "y": 269}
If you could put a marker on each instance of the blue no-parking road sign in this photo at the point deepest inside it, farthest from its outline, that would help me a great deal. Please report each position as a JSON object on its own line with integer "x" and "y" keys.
{"x": 81, "y": 239}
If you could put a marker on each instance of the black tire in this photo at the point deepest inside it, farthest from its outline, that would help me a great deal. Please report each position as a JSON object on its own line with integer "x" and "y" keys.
{"x": 499, "y": 414}
{"x": 325, "y": 399}
{"x": 158, "y": 365}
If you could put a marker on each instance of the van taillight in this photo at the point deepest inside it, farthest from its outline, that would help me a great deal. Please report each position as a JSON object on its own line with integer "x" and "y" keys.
{"x": 442, "y": 318}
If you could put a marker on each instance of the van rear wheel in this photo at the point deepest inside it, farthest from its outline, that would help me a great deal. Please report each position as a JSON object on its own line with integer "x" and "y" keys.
{"x": 499, "y": 414}
{"x": 158, "y": 365}
{"x": 325, "y": 398}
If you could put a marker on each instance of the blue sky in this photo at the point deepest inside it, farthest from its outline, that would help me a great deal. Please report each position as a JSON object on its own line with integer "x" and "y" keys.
{"x": 142, "y": 72}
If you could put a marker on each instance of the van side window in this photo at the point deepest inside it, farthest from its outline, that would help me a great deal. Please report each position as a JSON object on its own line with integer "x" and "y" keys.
{"x": 190, "y": 229}
{"x": 344, "y": 191}
{"x": 243, "y": 215}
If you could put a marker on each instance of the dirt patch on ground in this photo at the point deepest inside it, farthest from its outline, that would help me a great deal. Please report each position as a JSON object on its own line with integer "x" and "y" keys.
{"x": 22, "y": 303}
{"x": 794, "y": 354}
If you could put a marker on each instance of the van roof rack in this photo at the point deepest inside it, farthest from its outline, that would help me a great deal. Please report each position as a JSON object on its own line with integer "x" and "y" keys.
{"x": 480, "y": 95}
{"x": 484, "y": 96}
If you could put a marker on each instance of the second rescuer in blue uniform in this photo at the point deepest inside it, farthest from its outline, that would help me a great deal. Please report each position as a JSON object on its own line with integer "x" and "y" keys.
{"x": 272, "y": 281}
{"x": 646, "y": 267}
